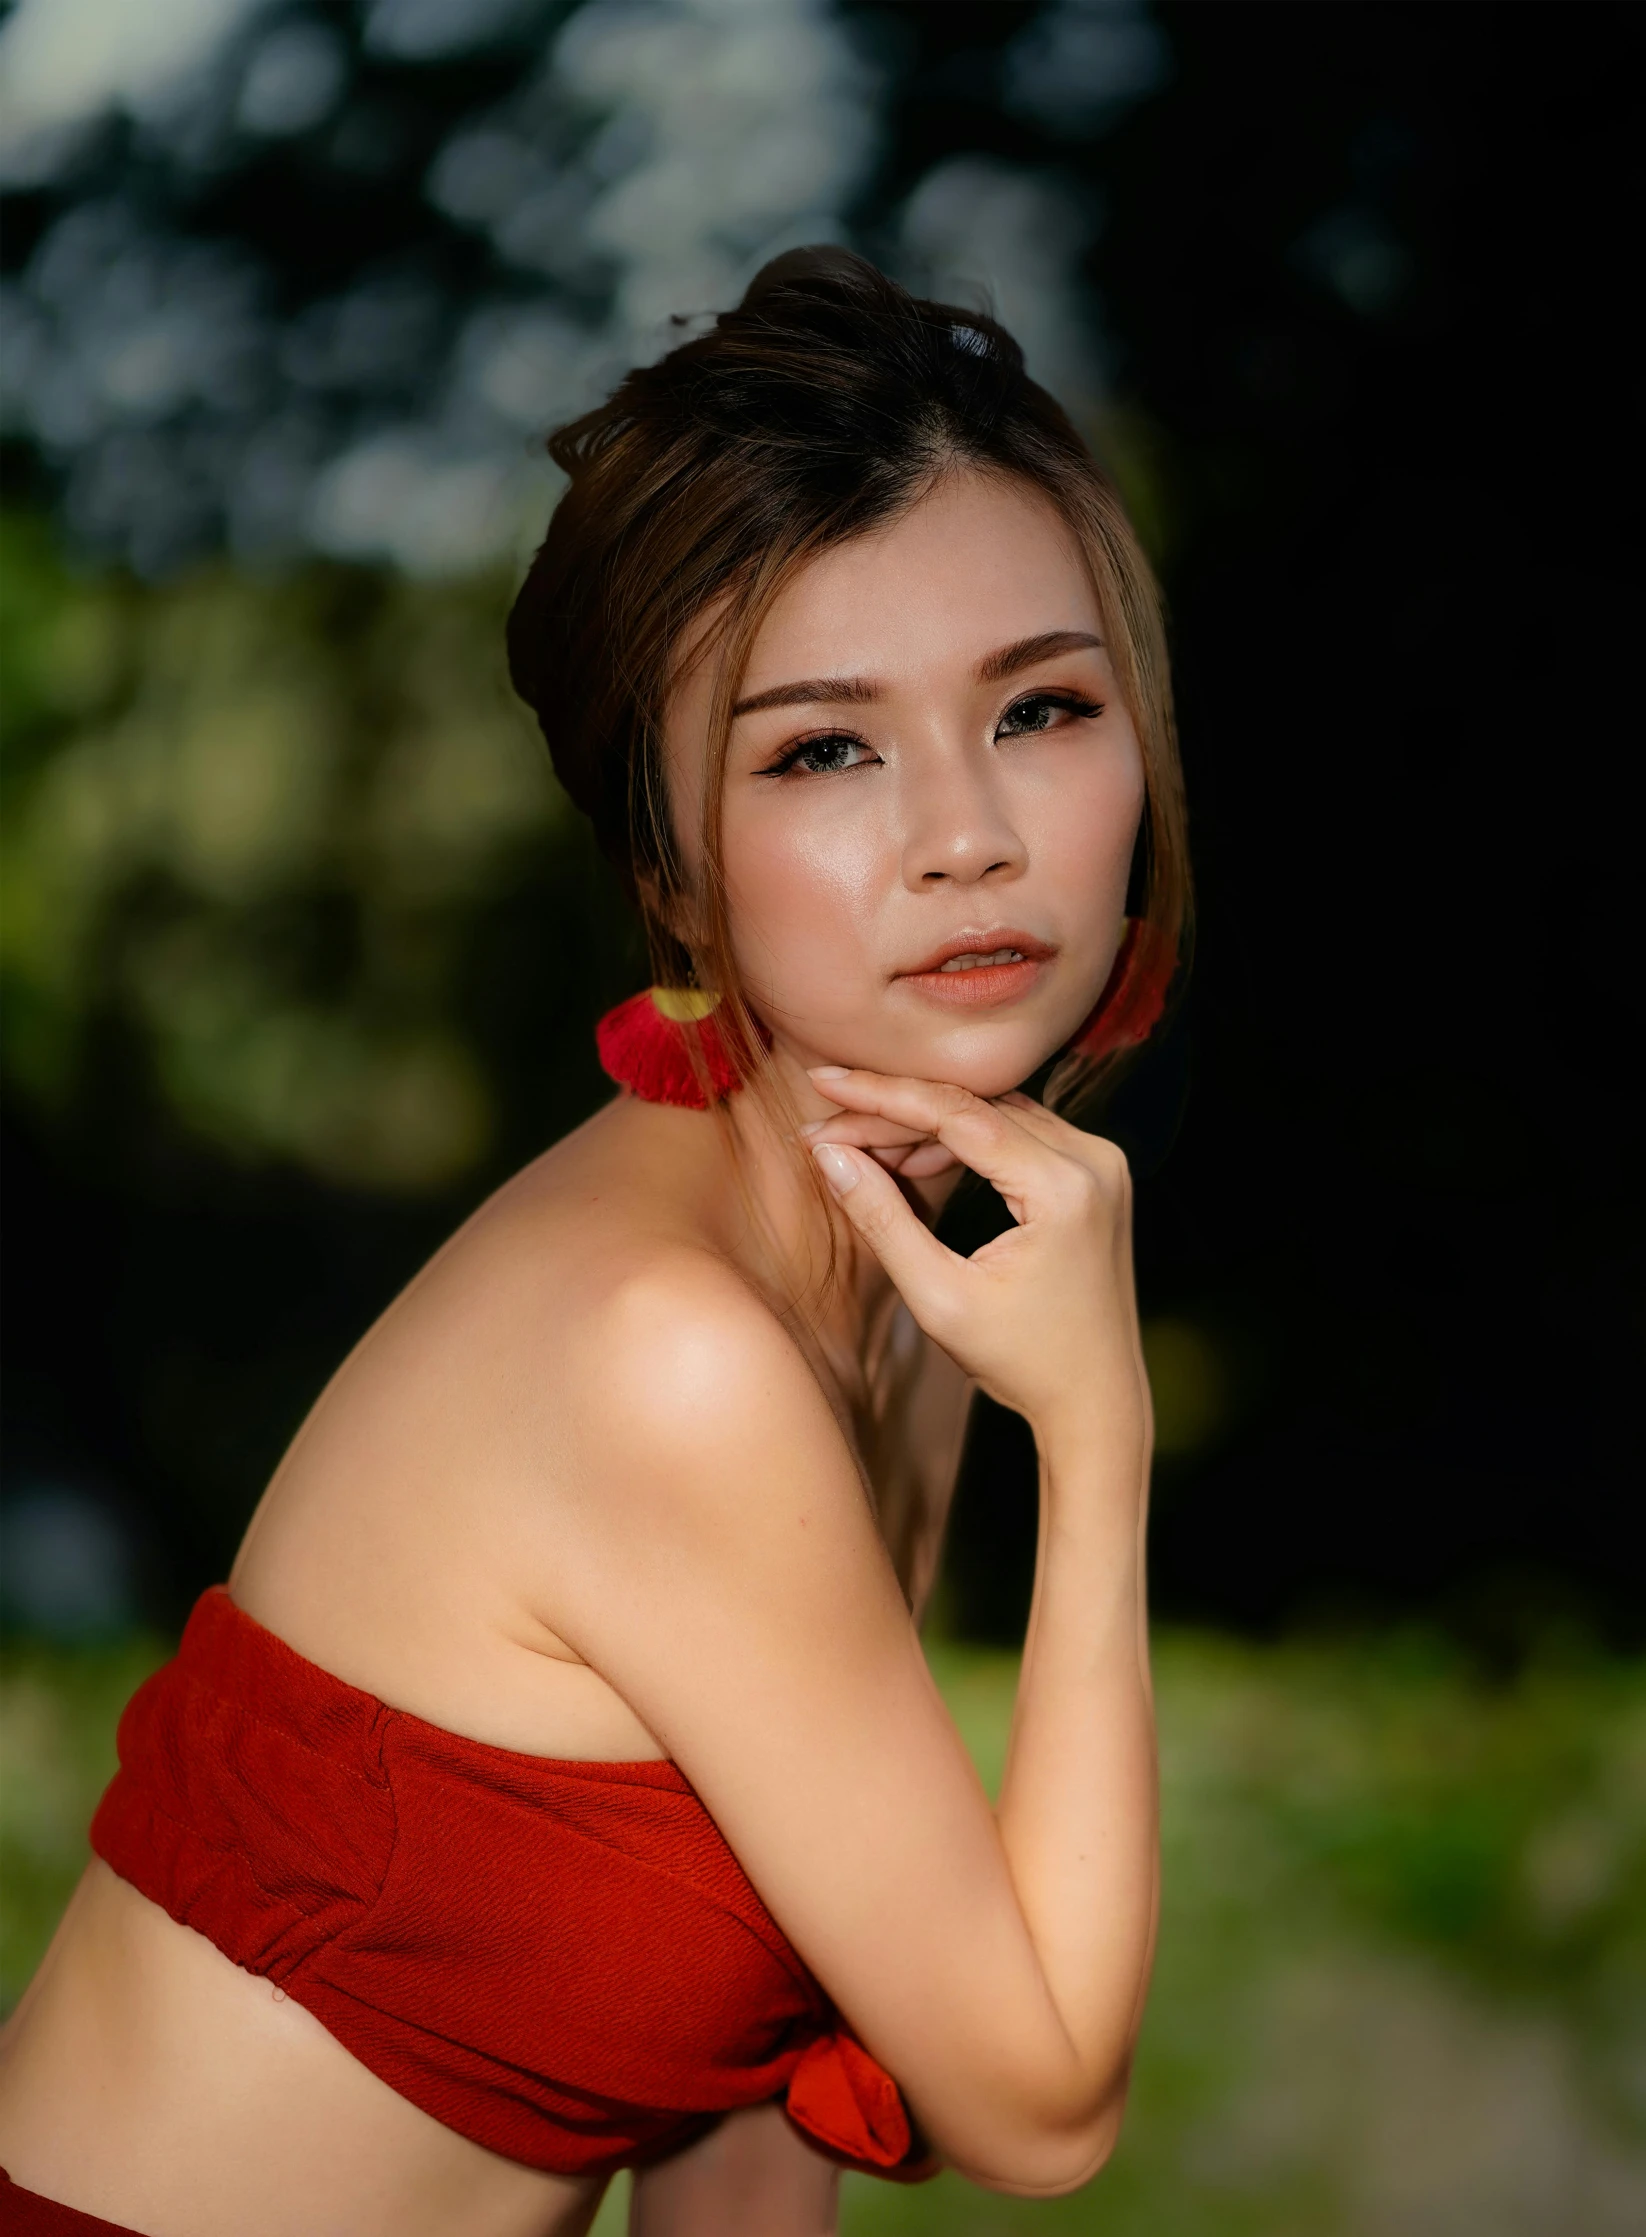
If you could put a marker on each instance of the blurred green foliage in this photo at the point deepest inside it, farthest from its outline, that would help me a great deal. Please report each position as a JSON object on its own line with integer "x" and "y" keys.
{"x": 250, "y": 819}
{"x": 58, "y": 1710}
{"x": 1401, "y": 1981}
{"x": 1401, "y": 1984}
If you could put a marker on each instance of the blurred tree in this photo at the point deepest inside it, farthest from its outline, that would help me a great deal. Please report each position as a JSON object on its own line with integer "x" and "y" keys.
{"x": 251, "y": 821}
{"x": 300, "y": 949}
{"x": 286, "y": 276}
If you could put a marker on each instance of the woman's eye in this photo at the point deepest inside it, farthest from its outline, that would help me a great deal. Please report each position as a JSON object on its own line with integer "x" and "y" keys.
{"x": 1045, "y": 710}
{"x": 819, "y": 756}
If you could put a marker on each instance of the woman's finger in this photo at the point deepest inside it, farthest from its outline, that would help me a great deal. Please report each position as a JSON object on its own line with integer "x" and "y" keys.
{"x": 863, "y": 1131}
{"x": 1095, "y": 1151}
{"x": 922, "y": 1163}
{"x": 919, "y": 1155}
{"x": 991, "y": 1141}
{"x": 929, "y": 1276}
{"x": 1046, "y": 1126}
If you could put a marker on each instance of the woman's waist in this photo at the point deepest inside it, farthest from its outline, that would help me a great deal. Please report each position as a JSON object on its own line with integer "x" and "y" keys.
{"x": 149, "y": 2079}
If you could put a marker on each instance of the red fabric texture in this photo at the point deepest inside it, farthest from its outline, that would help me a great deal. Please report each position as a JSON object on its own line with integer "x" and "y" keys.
{"x": 561, "y": 1960}
{"x": 651, "y": 1055}
{"x": 24, "y": 2213}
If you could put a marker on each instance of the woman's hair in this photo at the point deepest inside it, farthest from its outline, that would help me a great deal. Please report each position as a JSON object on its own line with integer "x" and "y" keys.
{"x": 823, "y": 406}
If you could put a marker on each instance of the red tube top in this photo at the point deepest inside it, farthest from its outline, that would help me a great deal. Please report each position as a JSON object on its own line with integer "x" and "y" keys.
{"x": 561, "y": 1960}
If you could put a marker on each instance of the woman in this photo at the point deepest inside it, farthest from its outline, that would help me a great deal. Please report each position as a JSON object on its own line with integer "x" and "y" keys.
{"x": 559, "y": 1785}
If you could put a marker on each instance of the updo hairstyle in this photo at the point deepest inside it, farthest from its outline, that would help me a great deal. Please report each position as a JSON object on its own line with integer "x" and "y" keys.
{"x": 823, "y": 406}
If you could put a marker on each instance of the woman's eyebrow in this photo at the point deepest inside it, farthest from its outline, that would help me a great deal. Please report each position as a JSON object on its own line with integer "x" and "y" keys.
{"x": 812, "y": 691}
{"x": 1028, "y": 650}
{"x": 859, "y": 691}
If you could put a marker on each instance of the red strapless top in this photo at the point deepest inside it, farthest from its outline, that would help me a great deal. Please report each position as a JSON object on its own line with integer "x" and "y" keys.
{"x": 563, "y": 1961}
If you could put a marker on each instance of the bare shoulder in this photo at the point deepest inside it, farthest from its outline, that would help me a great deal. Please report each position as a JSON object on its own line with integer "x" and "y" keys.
{"x": 546, "y": 1261}
{"x": 604, "y": 1312}
{"x": 682, "y": 1353}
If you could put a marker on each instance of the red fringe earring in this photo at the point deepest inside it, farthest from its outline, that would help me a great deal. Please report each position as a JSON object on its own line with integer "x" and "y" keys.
{"x": 646, "y": 1046}
{"x": 1133, "y": 997}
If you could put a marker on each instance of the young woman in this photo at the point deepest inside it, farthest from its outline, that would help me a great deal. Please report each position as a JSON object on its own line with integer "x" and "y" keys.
{"x": 558, "y": 1784}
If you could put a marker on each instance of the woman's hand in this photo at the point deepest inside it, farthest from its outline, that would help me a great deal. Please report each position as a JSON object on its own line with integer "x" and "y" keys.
{"x": 908, "y": 1151}
{"x": 1044, "y": 1317}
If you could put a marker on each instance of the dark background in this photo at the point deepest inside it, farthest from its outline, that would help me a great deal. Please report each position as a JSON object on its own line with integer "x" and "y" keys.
{"x": 1403, "y": 560}
{"x": 1367, "y": 275}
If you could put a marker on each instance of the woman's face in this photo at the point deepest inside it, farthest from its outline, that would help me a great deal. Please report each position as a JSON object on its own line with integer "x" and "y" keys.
{"x": 932, "y": 792}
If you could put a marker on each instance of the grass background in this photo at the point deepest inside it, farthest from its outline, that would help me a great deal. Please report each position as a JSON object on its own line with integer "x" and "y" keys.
{"x": 1401, "y": 1987}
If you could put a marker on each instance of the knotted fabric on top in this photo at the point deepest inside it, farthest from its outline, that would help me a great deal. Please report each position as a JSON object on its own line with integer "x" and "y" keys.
{"x": 561, "y": 1960}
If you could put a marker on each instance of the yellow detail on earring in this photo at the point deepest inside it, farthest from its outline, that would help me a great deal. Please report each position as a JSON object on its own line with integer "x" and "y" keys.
{"x": 684, "y": 1005}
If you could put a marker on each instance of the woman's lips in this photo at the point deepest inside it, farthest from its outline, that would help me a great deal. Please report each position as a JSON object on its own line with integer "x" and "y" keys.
{"x": 981, "y": 985}
{"x": 984, "y": 984}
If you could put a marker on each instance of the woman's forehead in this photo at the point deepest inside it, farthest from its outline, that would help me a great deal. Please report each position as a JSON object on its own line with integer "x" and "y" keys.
{"x": 977, "y": 563}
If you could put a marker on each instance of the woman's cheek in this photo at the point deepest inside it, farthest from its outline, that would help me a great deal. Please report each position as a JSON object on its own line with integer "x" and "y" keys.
{"x": 802, "y": 910}
{"x": 1081, "y": 847}
{"x": 1088, "y": 857}
{"x": 1093, "y": 830}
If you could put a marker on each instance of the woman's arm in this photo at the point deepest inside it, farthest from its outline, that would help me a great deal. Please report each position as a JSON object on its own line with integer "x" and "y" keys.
{"x": 715, "y": 1557}
{"x": 1082, "y": 1764}
{"x": 1079, "y": 1803}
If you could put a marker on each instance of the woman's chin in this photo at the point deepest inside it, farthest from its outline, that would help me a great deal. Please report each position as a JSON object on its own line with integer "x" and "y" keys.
{"x": 992, "y": 1082}
{"x": 988, "y": 1061}
{"x": 987, "y": 1071}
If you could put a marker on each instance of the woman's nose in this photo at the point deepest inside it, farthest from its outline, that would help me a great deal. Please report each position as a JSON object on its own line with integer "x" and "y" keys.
{"x": 958, "y": 828}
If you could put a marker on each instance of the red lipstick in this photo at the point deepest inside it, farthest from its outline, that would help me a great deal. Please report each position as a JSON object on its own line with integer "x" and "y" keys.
{"x": 1008, "y": 964}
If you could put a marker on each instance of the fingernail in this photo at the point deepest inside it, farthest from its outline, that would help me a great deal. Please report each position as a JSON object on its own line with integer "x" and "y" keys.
{"x": 838, "y": 1169}
{"x": 827, "y": 1071}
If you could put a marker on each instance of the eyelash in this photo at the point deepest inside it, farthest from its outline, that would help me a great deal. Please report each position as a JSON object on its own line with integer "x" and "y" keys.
{"x": 1072, "y": 702}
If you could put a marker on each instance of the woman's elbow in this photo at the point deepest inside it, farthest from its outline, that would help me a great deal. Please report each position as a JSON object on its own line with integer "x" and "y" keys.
{"x": 1049, "y": 2163}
